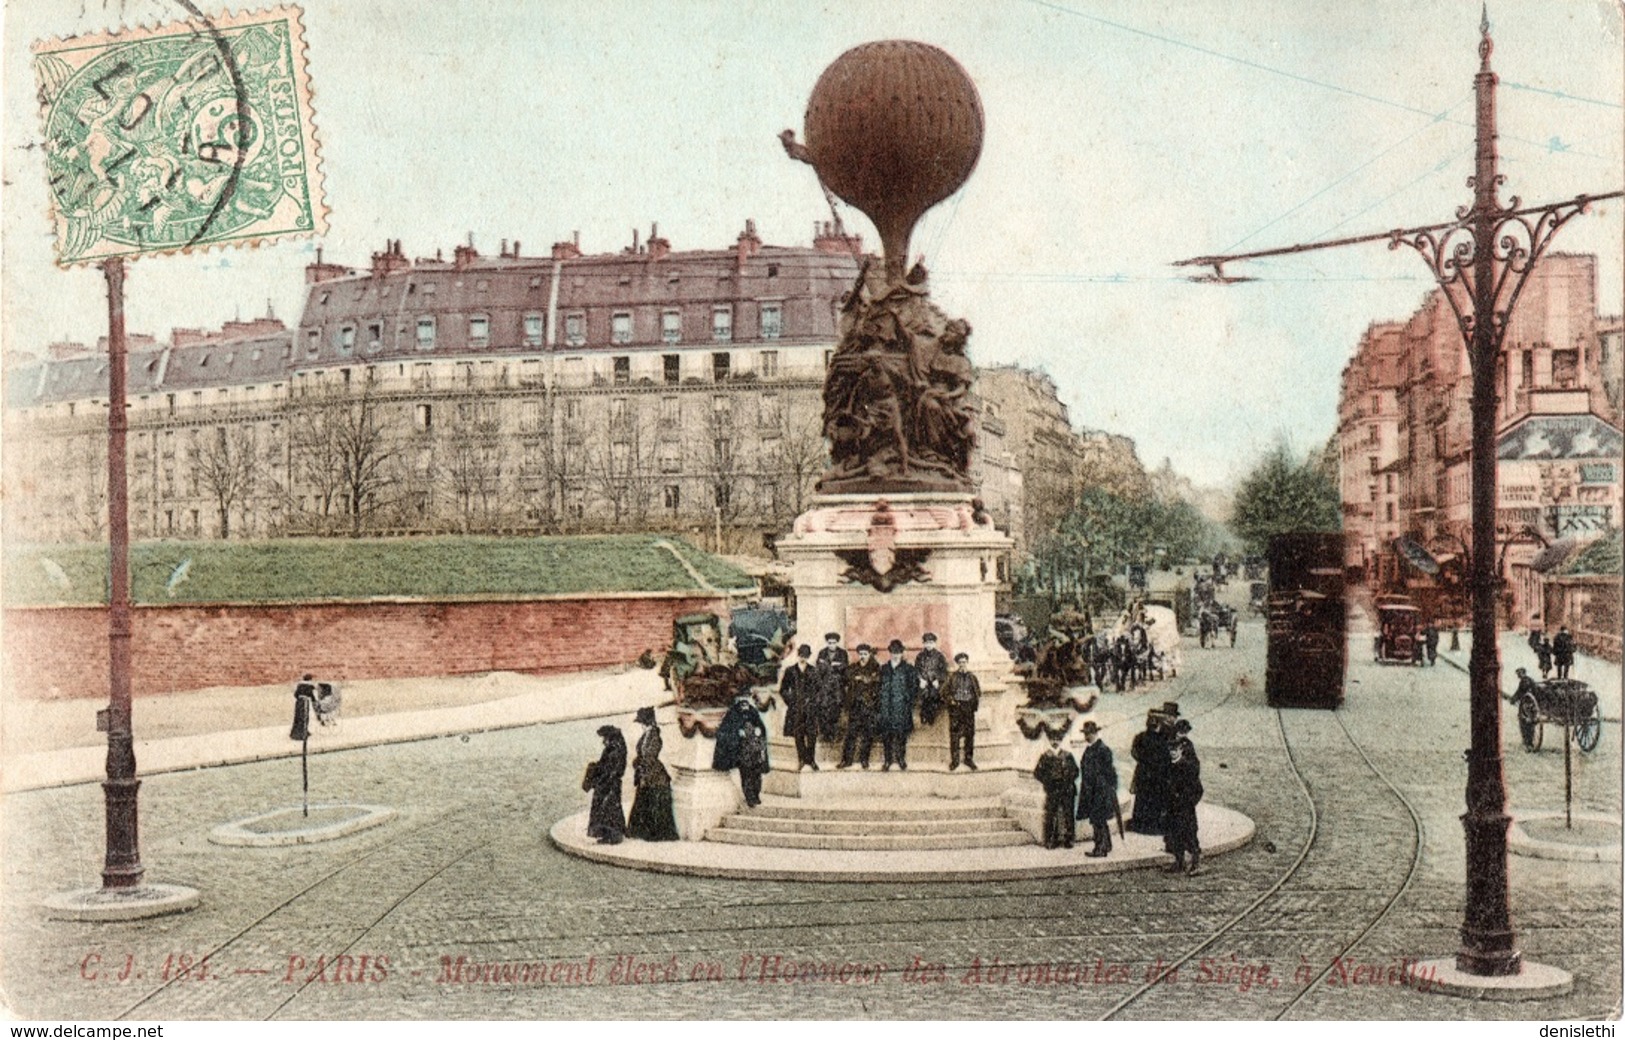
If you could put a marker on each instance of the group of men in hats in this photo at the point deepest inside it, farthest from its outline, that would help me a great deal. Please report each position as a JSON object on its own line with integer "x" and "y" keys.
{"x": 1073, "y": 792}
{"x": 877, "y": 696}
{"x": 1167, "y": 785}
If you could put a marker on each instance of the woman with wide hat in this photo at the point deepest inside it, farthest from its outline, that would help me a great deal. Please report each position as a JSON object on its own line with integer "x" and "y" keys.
{"x": 606, "y": 821}
{"x": 652, "y": 818}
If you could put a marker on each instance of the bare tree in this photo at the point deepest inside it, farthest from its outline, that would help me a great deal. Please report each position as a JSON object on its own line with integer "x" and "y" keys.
{"x": 227, "y": 467}
{"x": 472, "y": 448}
{"x": 344, "y": 447}
{"x": 88, "y": 456}
{"x": 621, "y": 464}
{"x": 794, "y": 456}
{"x": 718, "y": 458}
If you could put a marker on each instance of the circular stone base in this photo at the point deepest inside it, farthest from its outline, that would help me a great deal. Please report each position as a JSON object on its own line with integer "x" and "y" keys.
{"x": 1595, "y": 837}
{"x": 291, "y": 826}
{"x": 1223, "y": 830}
{"x": 1534, "y": 982}
{"x": 121, "y": 904}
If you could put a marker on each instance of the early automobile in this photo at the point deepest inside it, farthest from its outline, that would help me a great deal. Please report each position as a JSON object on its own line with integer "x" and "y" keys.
{"x": 1561, "y": 702}
{"x": 1399, "y": 632}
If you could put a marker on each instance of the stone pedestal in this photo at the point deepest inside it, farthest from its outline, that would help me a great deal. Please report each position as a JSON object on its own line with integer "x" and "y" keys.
{"x": 700, "y": 796}
{"x": 875, "y": 568}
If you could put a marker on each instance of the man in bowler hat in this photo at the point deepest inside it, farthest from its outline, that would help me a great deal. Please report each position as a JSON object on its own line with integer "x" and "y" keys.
{"x": 1097, "y": 801}
{"x": 799, "y": 691}
{"x": 899, "y": 689}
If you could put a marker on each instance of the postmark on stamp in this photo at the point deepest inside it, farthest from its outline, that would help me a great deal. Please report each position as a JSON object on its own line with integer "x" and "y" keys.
{"x": 193, "y": 135}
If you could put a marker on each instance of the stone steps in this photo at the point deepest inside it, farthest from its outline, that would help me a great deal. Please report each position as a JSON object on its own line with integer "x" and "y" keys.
{"x": 872, "y": 824}
{"x": 865, "y": 810}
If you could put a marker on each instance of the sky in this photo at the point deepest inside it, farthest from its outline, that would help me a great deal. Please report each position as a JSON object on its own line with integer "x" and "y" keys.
{"x": 1120, "y": 137}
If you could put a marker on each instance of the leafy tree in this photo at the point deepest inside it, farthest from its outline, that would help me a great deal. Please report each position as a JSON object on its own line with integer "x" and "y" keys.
{"x": 1282, "y": 495}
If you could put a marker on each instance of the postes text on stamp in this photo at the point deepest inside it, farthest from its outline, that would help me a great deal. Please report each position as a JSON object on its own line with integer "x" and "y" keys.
{"x": 193, "y": 135}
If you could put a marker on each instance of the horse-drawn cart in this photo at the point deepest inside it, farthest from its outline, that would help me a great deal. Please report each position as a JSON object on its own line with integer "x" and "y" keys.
{"x": 1561, "y": 702}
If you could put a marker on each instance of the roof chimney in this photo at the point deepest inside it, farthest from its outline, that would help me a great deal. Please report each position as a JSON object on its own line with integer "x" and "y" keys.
{"x": 747, "y": 246}
{"x": 658, "y": 247}
{"x": 392, "y": 259}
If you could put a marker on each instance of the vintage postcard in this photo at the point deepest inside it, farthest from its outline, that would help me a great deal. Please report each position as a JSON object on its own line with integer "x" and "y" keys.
{"x": 1079, "y": 510}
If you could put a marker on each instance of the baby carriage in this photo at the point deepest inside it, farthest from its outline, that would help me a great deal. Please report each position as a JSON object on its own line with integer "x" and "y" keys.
{"x": 328, "y": 701}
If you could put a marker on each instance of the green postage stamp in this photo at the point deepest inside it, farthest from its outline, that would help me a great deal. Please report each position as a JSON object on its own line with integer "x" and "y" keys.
{"x": 183, "y": 137}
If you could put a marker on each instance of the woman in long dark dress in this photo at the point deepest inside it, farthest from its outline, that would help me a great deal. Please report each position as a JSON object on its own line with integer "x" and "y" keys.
{"x": 652, "y": 818}
{"x": 605, "y": 821}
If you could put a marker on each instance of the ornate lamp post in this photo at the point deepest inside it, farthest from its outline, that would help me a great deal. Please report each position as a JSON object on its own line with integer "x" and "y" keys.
{"x": 1481, "y": 262}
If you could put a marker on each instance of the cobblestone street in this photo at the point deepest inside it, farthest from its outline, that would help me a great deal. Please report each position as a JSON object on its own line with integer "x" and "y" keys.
{"x": 421, "y": 917}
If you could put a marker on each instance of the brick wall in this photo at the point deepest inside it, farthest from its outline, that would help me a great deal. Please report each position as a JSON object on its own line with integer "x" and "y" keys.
{"x": 62, "y": 652}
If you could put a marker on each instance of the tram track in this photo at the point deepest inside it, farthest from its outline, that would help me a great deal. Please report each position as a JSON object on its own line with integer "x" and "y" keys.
{"x": 212, "y": 953}
{"x": 1235, "y": 923}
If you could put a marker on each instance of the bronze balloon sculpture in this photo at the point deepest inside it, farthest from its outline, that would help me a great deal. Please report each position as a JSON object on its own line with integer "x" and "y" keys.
{"x": 893, "y": 128}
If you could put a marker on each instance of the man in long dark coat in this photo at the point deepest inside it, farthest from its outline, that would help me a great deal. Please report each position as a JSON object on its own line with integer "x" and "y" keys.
{"x": 962, "y": 694}
{"x": 1184, "y": 792}
{"x": 899, "y": 689}
{"x": 933, "y": 669}
{"x": 862, "y": 702}
{"x": 1097, "y": 797}
{"x": 1057, "y": 770}
{"x": 606, "y": 821}
{"x": 304, "y": 697}
{"x": 742, "y": 745}
{"x": 798, "y": 689}
{"x": 1563, "y": 651}
{"x": 1150, "y": 783}
{"x": 832, "y": 665}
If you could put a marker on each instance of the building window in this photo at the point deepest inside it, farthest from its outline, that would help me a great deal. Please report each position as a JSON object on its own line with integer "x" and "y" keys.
{"x": 533, "y": 330}
{"x": 623, "y": 370}
{"x": 720, "y": 364}
{"x": 671, "y": 326}
{"x": 722, "y": 408}
{"x": 1371, "y": 464}
{"x": 620, "y": 327}
{"x": 671, "y": 457}
{"x": 422, "y": 376}
{"x": 672, "y": 367}
{"x": 1566, "y": 369}
{"x": 479, "y": 331}
{"x": 425, "y": 333}
{"x": 375, "y": 336}
{"x": 767, "y": 364}
{"x": 313, "y": 342}
{"x": 772, "y": 413}
{"x": 1390, "y": 483}
{"x": 673, "y": 497}
{"x": 346, "y": 339}
{"x": 670, "y": 413}
{"x": 722, "y": 323}
{"x": 617, "y": 412}
{"x": 1390, "y": 512}
{"x": 575, "y": 329}
{"x": 772, "y": 321}
{"x": 423, "y": 416}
